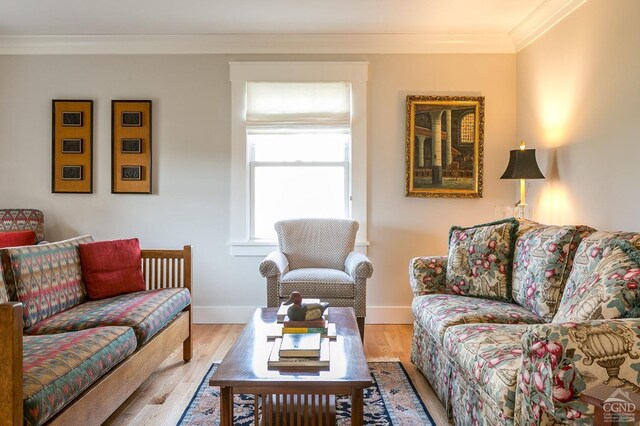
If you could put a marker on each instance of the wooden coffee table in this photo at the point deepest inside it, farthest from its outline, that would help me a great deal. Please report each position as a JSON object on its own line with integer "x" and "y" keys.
{"x": 301, "y": 396}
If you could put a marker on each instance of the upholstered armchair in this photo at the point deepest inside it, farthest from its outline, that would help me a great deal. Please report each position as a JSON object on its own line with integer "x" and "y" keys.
{"x": 316, "y": 258}
{"x": 12, "y": 220}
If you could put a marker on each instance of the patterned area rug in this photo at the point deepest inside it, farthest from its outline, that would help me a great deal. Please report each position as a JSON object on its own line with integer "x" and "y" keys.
{"x": 390, "y": 400}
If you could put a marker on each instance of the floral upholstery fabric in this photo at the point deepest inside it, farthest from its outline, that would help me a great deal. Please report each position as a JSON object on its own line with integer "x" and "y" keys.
{"x": 589, "y": 253}
{"x": 610, "y": 292}
{"x": 441, "y": 311}
{"x": 12, "y": 220}
{"x": 46, "y": 278}
{"x": 145, "y": 311}
{"x": 429, "y": 356}
{"x": 427, "y": 275}
{"x": 562, "y": 360}
{"x": 481, "y": 260}
{"x": 541, "y": 265}
{"x": 59, "y": 367}
{"x": 486, "y": 360}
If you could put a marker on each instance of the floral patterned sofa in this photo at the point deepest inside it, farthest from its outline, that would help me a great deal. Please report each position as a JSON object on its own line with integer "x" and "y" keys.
{"x": 65, "y": 359}
{"x": 520, "y": 318}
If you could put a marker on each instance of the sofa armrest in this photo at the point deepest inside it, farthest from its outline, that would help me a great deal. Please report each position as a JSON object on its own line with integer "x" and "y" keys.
{"x": 560, "y": 361}
{"x": 274, "y": 265}
{"x": 11, "y": 364}
{"x": 428, "y": 275}
{"x": 357, "y": 265}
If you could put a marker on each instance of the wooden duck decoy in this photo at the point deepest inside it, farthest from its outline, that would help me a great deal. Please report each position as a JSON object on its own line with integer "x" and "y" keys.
{"x": 304, "y": 311}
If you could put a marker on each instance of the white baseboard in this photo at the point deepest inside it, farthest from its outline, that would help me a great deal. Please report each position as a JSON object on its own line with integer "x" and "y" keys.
{"x": 242, "y": 314}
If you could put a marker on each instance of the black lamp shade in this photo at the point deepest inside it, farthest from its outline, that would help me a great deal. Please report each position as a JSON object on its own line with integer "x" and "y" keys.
{"x": 522, "y": 165}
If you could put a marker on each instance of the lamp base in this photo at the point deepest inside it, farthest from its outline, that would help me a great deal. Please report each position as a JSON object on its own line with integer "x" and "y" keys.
{"x": 519, "y": 211}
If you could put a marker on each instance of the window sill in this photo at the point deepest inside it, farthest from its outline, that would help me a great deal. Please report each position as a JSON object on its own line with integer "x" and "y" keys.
{"x": 263, "y": 248}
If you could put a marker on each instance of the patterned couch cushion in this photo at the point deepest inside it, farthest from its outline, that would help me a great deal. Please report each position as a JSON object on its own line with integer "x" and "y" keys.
{"x": 59, "y": 367}
{"x": 610, "y": 292}
{"x": 481, "y": 259}
{"x": 588, "y": 255}
{"x": 542, "y": 262}
{"x": 316, "y": 243}
{"x": 437, "y": 312}
{"x": 318, "y": 283}
{"x": 46, "y": 278}
{"x": 488, "y": 356}
{"x": 145, "y": 311}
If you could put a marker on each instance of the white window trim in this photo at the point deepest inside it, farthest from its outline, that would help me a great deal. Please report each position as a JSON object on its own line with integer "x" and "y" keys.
{"x": 241, "y": 72}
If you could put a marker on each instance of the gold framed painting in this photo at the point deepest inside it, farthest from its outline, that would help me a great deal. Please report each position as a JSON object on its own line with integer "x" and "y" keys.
{"x": 444, "y": 146}
{"x": 72, "y": 146}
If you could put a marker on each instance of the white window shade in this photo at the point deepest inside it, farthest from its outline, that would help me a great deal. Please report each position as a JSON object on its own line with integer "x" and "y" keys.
{"x": 298, "y": 103}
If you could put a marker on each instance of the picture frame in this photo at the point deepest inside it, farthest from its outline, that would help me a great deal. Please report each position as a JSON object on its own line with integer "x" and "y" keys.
{"x": 131, "y": 118}
{"x": 72, "y": 118}
{"x": 71, "y": 146}
{"x": 131, "y": 173}
{"x": 444, "y": 146}
{"x": 71, "y": 173}
{"x": 131, "y": 147}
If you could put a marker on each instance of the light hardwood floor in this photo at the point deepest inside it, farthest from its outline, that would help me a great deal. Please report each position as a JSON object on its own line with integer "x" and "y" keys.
{"x": 163, "y": 397}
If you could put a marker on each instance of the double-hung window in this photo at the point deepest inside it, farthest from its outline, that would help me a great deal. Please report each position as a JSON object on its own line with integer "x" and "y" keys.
{"x": 298, "y": 147}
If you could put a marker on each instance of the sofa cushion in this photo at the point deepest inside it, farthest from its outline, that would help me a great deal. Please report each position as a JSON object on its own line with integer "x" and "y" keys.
{"x": 541, "y": 265}
{"x": 318, "y": 283}
{"x": 610, "y": 292}
{"x": 437, "y": 312}
{"x": 59, "y": 367}
{"x": 17, "y": 239}
{"x": 489, "y": 355}
{"x": 145, "y": 311}
{"x": 22, "y": 220}
{"x": 46, "y": 278}
{"x": 589, "y": 253}
{"x": 110, "y": 268}
{"x": 481, "y": 259}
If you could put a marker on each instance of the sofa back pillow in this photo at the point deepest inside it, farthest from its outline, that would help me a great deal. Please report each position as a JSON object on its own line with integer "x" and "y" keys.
{"x": 610, "y": 292}
{"x": 17, "y": 239}
{"x": 111, "y": 268}
{"x": 481, "y": 259}
{"x": 541, "y": 265}
{"x": 46, "y": 278}
{"x": 589, "y": 253}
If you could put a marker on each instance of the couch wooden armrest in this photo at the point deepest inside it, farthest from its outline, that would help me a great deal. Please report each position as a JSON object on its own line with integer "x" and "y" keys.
{"x": 161, "y": 269}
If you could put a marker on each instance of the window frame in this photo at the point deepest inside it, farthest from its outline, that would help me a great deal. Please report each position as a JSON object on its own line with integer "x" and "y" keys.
{"x": 356, "y": 73}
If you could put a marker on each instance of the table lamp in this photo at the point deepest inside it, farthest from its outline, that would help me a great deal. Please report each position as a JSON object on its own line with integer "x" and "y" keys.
{"x": 522, "y": 165}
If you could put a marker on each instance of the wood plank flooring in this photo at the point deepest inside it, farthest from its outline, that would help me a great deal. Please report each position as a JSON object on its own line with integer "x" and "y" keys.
{"x": 163, "y": 397}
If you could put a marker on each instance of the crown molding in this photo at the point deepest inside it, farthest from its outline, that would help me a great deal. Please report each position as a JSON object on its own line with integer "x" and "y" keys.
{"x": 256, "y": 43}
{"x": 541, "y": 20}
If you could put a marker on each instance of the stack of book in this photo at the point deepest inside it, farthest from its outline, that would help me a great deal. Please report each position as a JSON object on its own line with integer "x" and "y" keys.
{"x": 300, "y": 350}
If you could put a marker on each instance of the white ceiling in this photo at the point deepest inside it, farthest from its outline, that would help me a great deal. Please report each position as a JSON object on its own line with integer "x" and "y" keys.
{"x": 426, "y": 18}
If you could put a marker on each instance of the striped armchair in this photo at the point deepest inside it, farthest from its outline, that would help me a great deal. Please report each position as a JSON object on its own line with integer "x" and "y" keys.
{"x": 316, "y": 257}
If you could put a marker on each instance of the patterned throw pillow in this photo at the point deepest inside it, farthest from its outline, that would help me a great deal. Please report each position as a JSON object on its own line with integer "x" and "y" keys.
{"x": 610, "y": 292}
{"x": 481, "y": 259}
{"x": 541, "y": 264}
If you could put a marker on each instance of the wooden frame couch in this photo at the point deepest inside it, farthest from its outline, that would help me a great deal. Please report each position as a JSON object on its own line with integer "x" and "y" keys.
{"x": 161, "y": 269}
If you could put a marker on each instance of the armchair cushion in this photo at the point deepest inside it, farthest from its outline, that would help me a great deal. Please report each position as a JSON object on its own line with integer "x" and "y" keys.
{"x": 611, "y": 292}
{"x": 318, "y": 283}
{"x": 481, "y": 260}
{"x": 316, "y": 243}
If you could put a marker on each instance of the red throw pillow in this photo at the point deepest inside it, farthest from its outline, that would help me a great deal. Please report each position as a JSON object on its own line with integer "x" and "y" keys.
{"x": 110, "y": 268}
{"x": 17, "y": 238}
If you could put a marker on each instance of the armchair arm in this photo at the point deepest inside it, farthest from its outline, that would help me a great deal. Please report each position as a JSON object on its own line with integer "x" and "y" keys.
{"x": 358, "y": 265}
{"x": 428, "y": 275}
{"x": 560, "y": 361}
{"x": 274, "y": 265}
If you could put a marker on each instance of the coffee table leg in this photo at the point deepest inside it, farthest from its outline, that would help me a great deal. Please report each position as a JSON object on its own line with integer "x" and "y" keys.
{"x": 357, "y": 411}
{"x": 226, "y": 406}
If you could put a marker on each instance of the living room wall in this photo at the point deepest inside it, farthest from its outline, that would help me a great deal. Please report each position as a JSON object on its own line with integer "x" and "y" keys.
{"x": 191, "y": 160}
{"x": 578, "y": 103}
